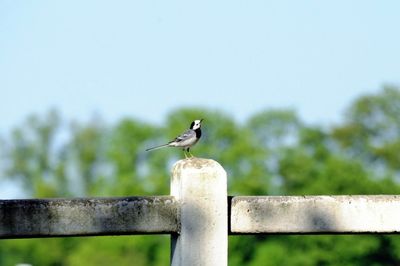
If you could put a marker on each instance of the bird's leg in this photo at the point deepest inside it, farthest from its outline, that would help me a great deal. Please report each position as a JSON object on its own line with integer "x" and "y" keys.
{"x": 184, "y": 152}
{"x": 191, "y": 155}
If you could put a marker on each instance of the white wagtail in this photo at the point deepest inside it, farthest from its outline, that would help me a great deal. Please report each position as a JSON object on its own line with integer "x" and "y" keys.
{"x": 185, "y": 140}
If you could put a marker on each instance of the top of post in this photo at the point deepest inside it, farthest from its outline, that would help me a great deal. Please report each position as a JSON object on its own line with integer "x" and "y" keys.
{"x": 199, "y": 164}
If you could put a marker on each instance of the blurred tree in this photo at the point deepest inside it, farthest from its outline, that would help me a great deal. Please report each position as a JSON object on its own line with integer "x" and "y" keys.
{"x": 371, "y": 131}
{"x": 126, "y": 154}
{"x": 274, "y": 131}
{"x": 85, "y": 154}
{"x": 30, "y": 157}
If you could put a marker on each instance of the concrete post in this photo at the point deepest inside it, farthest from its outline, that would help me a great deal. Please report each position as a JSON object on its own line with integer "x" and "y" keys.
{"x": 200, "y": 187}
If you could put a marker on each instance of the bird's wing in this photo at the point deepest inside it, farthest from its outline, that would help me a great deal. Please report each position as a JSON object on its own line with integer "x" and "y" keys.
{"x": 186, "y": 135}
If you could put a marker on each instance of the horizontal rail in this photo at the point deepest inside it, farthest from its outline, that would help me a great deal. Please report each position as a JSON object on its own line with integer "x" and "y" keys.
{"x": 159, "y": 215}
{"x": 315, "y": 214}
{"x": 88, "y": 216}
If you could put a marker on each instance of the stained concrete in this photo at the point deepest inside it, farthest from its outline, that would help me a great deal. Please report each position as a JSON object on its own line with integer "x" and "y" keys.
{"x": 315, "y": 214}
{"x": 88, "y": 216}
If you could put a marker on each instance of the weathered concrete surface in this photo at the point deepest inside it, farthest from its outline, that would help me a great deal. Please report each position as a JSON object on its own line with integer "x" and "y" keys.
{"x": 200, "y": 186}
{"x": 315, "y": 214}
{"x": 90, "y": 216}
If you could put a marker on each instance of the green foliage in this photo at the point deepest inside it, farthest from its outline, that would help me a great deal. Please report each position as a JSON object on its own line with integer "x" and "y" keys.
{"x": 372, "y": 129}
{"x": 273, "y": 152}
{"x": 138, "y": 250}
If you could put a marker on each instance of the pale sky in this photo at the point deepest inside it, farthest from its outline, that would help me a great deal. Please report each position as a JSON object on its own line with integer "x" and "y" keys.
{"x": 145, "y": 58}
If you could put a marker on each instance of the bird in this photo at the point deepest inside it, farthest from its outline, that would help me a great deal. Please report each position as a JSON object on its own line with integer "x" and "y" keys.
{"x": 186, "y": 140}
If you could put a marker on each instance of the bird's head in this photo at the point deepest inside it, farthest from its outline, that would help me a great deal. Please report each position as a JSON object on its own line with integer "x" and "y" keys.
{"x": 196, "y": 124}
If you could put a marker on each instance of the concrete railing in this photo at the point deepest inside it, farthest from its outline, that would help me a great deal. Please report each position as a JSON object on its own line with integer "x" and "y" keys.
{"x": 199, "y": 215}
{"x": 315, "y": 214}
{"x": 88, "y": 217}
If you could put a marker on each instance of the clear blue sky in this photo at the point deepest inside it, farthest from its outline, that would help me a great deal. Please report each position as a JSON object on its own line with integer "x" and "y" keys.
{"x": 145, "y": 58}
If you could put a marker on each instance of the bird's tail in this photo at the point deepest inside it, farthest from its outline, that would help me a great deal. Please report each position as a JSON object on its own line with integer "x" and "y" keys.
{"x": 157, "y": 147}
